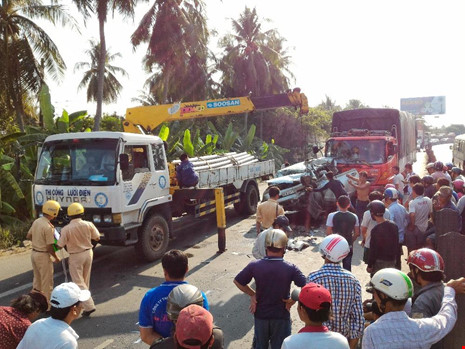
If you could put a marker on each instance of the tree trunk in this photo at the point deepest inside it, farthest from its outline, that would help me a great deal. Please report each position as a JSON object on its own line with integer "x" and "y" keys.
{"x": 100, "y": 73}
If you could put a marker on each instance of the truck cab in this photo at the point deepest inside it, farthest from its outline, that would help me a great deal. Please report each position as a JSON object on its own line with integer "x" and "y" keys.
{"x": 118, "y": 177}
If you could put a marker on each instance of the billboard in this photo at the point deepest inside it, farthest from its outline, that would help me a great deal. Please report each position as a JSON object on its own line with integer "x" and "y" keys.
{"x": 424, "y": 105}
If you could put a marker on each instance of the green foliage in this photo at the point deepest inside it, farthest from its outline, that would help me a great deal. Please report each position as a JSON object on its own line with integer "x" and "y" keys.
{"x": 187, "y": 143}
{"x": 110, "y": 123}
{"x": 13, "y": 233}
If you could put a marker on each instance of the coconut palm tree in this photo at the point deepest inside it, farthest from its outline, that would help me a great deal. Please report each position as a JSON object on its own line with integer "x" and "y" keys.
{"x": 102, "y": 8}
{"x": 255, "y": 61}
{"x": 111, "y": 85}
{"x": 177, "y": 37}
{"x": 26, "y": 50}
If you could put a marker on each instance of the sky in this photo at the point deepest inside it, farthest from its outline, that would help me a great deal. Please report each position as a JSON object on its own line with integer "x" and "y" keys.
{"x": 371, "y": 50}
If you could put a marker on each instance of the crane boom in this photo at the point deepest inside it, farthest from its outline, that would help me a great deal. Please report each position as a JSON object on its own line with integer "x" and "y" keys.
{"x": 149, "y": 117}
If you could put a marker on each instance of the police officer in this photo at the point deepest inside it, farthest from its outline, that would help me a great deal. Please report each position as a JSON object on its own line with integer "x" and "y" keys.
{"x": 77, "y": 236}
{"x": 42, "y": 236}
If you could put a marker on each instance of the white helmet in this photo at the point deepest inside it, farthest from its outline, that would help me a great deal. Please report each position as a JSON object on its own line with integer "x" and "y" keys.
{"x": 393, "y": 283}
{"x": 334, "y": 247}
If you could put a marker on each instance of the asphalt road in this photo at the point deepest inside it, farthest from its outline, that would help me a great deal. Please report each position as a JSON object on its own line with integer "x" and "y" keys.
{"x": 119, "y": 280}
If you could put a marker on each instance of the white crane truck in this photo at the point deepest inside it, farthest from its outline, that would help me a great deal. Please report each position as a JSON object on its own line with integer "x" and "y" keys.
{"x": 128, "y": 188}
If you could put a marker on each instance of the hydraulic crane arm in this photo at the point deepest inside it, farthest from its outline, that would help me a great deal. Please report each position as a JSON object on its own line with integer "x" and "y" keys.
{"x": 150, "y": 117}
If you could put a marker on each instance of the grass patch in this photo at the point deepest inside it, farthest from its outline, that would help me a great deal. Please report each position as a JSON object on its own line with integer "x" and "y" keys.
{"x": 13, "y": 235}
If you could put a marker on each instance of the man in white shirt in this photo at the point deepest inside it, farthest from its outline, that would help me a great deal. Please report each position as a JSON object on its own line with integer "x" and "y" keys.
{"x": 398, "y": 179}
{"x": 394, "y": 329}
{"x": 55, "y": 332}
{"x": 420, "y": 208}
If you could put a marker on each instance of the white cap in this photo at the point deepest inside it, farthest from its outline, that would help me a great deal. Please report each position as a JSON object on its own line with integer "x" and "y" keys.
{"x": 67, "y": 294}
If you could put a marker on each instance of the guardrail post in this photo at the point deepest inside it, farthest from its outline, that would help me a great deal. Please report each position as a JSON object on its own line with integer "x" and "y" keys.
{"x": 220, "y": 219}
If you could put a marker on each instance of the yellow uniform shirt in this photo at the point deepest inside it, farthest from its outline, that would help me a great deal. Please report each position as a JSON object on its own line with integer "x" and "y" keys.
{"x": 77, "y": 235}
{"x": 267, "y": 212}
{"x": 41, "y": 233}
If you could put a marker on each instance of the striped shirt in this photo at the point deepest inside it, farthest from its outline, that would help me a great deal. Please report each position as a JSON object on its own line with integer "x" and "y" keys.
{"x": 346, "y": 293}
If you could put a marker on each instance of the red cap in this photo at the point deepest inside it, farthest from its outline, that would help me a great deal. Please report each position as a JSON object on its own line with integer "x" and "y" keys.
{"x": 194, "y": 326}
{"x": 313, "y": 295}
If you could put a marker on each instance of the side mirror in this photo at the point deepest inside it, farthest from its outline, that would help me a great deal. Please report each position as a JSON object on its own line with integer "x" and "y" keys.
{"x": 123, "y": 161}
{"x": 315, "y": 149}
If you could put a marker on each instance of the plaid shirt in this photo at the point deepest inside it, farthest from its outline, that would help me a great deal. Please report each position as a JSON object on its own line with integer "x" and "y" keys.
{"x": 346, "y": 293}
{"x": 395, "y": 330}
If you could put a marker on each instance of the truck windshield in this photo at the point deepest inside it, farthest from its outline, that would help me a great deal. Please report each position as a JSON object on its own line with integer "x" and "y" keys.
{"x": 357, "y": 151}
{"x": 77, "y": 162}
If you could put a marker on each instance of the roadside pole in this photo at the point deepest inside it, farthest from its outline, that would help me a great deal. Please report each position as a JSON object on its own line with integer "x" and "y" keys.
{"x": 220, "y": 219}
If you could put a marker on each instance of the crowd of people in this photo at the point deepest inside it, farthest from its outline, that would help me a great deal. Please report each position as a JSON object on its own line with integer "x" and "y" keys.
{"x": 406, "y": 311}
{"x": 414, "y": 310}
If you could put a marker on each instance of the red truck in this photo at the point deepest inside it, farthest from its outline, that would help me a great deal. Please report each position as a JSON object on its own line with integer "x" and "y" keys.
{"x": 373, "y": 140}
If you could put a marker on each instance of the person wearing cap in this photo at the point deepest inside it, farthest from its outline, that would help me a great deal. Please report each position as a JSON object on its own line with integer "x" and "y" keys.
{"x": 270, "y": 302}
{"x": 269, "y": 210}
{"x": 430, "y": 188}
{"x": 55, "y": 331}
{"x": 43, "y": 253}
{"x": 259, "y": 248}
{"x": 369, "y": 223}
{"x": 346, "y": 224}
{"x": 441, "y": 200}
{"x": 456, "y": 173}
{"x": 154, "y": 323}
{"x": 458, "y": 186}
{"x": 419, "y": 209}
{"x": 344, "y": 287}
{"x": 430, "y": 168}
{"x": 15, "y": 320}
{"x": 395, "y": 329}
{"x": 194, "y": 328}
{"x": 439, "y": 171}
{"x": 314, "y": 308}
{"x": 77, "y": 236}
{"x": 179, "y": 298}
{"x": 399, "y": 216}
{"x": 384, "y": 246}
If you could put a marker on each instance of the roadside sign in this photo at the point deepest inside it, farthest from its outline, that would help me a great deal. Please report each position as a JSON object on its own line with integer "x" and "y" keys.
{"x": 424, "y": 105}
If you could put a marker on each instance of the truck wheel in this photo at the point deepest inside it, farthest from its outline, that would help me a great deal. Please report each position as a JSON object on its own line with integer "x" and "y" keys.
{"x": 153, "y": 238}
{"x": 249, "y": 200}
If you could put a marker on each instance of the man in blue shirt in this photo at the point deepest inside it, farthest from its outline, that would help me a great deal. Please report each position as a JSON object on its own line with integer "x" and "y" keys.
{"x": 270, "y": 302}
{"x": 185, "y": 173}
{"x": 154, "y": 323}
{"x": 399, "y": 215}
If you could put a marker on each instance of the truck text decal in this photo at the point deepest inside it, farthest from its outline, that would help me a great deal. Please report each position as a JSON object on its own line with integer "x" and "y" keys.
{"x": 220, "y": 104}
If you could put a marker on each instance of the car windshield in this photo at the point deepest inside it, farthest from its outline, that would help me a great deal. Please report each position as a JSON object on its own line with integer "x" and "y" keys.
{"x": 78, "y": 162}
{"x": 357, "y": 151}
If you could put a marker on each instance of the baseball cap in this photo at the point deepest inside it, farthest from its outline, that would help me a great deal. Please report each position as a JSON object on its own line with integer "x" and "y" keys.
{"x": 456, "y": 170}
{"x": 194, "y": 327}
{"x": 391, "y": 193}
{"x": 67, "y": 294}
{"x": 430, "y": 165}
{"x": 283, "y": 222}
{"x": 312, "y": 296}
